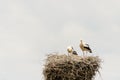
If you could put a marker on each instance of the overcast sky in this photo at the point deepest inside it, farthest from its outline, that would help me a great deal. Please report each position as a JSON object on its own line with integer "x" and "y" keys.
{"x": 30, "y": 29}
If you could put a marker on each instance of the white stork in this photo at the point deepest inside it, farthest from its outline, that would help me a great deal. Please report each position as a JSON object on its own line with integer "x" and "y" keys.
{"x": 85, "y": 48}
{"x": 71, "y": 51}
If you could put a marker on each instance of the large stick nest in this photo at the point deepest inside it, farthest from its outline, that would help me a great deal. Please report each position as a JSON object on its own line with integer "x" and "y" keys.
{"x": 63, "y": 67}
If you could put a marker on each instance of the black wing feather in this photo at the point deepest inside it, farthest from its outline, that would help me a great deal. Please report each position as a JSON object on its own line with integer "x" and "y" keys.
{"x": 75, "y": 53}
{"x": 88, "y": 48}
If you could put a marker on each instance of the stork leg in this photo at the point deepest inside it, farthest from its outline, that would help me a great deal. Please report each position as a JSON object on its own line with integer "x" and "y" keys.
{"x": 83, "y": 54}
{"x": 86, "y": 53}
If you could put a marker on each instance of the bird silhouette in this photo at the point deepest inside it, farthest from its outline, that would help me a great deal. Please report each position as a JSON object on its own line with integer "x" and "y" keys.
{"x": 71, "y": 51}
{"x": 84, "y": 48}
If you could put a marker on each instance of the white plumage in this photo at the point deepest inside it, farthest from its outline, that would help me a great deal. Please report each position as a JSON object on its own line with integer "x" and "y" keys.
{"x": 85, "y": 48}
{"x": 71, "y": 51}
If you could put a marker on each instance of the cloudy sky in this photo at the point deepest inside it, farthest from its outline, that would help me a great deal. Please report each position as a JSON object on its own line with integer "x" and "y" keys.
{"x": 31, "y": 29}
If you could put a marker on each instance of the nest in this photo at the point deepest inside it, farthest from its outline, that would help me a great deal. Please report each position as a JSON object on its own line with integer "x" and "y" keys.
{"x": 63, "y": 67}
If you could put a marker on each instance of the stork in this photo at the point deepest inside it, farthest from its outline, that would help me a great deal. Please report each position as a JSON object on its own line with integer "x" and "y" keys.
{"x": 85, "y": 48}
{"x": 71, "y": 51}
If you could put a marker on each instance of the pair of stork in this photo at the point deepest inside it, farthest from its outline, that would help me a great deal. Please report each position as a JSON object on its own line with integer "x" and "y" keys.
{"x": 83, "y": 47}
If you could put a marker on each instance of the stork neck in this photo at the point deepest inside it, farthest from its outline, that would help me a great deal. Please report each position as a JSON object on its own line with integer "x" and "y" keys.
{"x": 81, "y": 41}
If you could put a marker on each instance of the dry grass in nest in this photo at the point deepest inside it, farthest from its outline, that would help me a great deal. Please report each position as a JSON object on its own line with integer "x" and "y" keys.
{"x": 63, "y": 67}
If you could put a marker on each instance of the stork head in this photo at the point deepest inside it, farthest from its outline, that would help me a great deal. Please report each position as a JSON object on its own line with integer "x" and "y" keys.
{"x": 69, "y": 49}
{"x": 81, "y": 41}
